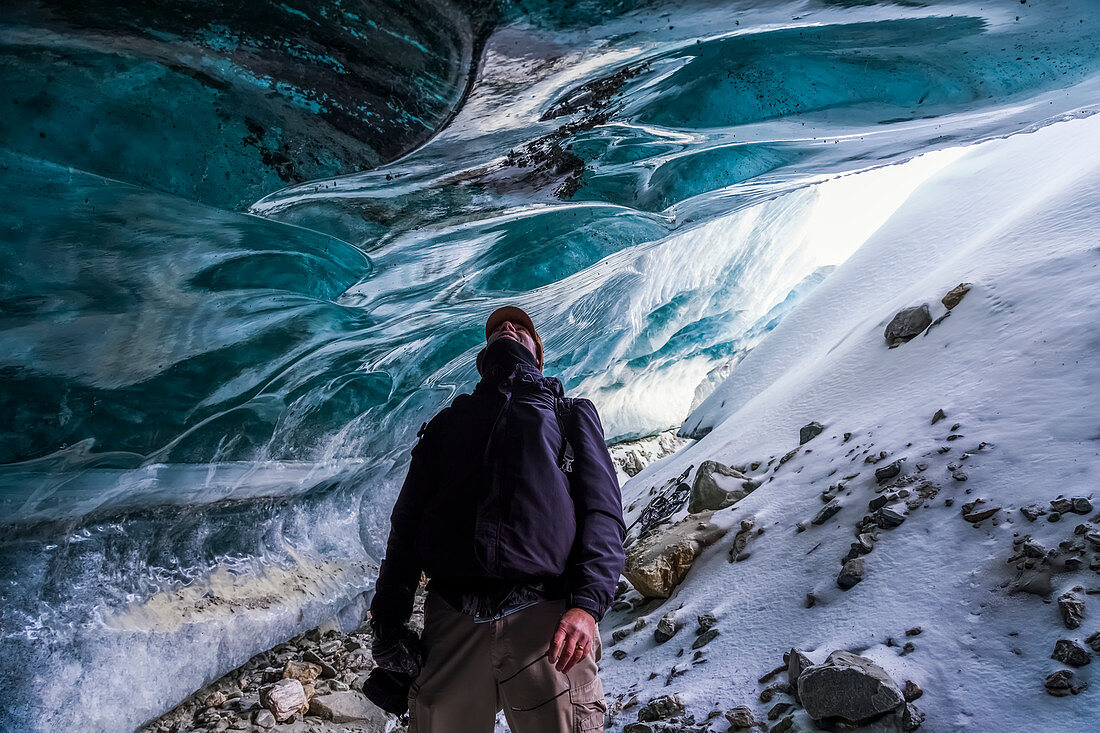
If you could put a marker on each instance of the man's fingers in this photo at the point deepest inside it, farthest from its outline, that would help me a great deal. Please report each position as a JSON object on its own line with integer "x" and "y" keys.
{"x": 569, "y": 660}
{"x": 557, "y": 643}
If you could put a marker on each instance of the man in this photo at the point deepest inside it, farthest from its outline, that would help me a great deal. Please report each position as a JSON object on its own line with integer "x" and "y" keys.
{"x": 512, "y": 508}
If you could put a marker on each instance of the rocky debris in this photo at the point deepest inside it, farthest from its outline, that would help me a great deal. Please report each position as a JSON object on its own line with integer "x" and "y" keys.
{"x": 911, "y": 717}
{"x": 1063, "y": 683}
{"x": 265, "y": 719}
{"x": 710, "y": 492}
{"x": 809, "y": 431}
{"x": 706, "y": 621}
{"x": 661, "y": 708}
{"x": 955, "y": 295}
{"x": 797, "y": 663}
{"x": 1094, "y": 641}
{"x": 284, "y": 698}
{"x": 782, "y": 726}
{"x": 215, "y": 699}
{"x": 848, "y": 689}
{"x": 907, "y": 324}
{"x": 741, "y": 540}
{"x": 851, "y": 574}
{"x": 940, "y": 415}
{"x": 658, "y": 563}
{"x": 666, "y": 628}
{"x": 1032, "y": 512}
{"x": 1072, "y": 608}
{"x": 978, "y": 510}
{"x": 305, "y": 672}
{"x": 888, "y": 471}
{"x": 911, "y": 691}
{"x": 741, "y": 718}
{"x": 826, "y": 512}
{"x": 1071, "y": 653}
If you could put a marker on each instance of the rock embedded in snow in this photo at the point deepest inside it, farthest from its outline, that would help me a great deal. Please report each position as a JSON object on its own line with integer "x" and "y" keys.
{"x": 656, "y": 564}
{"x": 283, "y": 698}
{"x": 940, "y": 415}
{"x": 1072, "y": 608}
{"x": 1064, "y": 682}
{"x": 907, "y": 324}
{"x": 977, "y": 511}
{"x": 955, "y": 295}
{"x": 666, "y": 629}
{"x": 741, "y": 718}
{"x": 826, "y": 512}
{"x": 851, "y": 574}
{"x": 848, "y": 688}
{"x": 888, "y": 471}
{"x": 704, "y": 638}
{"x": 809, "y": 431}
{"x": 911, "y": 691}
{"x": 1070, "y": 652}
{"x": 661, "y": 708}
{"x": 713, "y": 487}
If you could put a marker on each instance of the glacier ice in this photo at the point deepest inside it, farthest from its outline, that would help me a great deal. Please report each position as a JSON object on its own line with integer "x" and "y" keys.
{"x": 207, "y": 411}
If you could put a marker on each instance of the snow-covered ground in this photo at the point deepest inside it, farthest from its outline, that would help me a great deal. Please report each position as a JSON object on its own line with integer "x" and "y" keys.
{"x": 1016, "y": 365}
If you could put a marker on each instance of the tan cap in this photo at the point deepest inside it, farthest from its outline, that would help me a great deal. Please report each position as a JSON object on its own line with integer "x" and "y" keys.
{"x": 516, "y": 315}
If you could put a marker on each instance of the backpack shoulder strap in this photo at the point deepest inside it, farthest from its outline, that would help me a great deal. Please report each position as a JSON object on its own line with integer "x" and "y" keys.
{"x": 563, "y": 409}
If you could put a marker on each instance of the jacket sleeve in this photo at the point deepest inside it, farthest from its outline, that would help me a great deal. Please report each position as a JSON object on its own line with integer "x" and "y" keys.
{"x": 597, "y": 557}
{"x": 399, "y": 574}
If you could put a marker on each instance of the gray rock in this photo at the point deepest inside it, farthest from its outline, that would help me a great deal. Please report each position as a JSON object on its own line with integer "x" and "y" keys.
{"x": 888, "y": 471}
{"x": 661, "y": 708}
{"x": 347, "y": 707}
{"x": 265, "y": 719}
{"x": 887, "y": 518}
{"x": 706, "y": 622}
{"x": 1032, "y": 512}
{"x": 907, "y": 324}
{"x": 849, "y": 688}
{"x": 977, "y": 511}
{"x": 911, "y": 718}
{"x": 797, "y": 663}
{"x": 1081, "y": 505}
{"x": 704, "y": 638}
{"x": 638, "y": 728}
{"x": 851, "y": 574}
{"x": 826, "y": 511}
{"x": 940, "y": 415}
{"x": 1064, "y": 682}
{"x": 783, "y": 726}
{"x": 1094, "y": 642}
{"x": 1070, "y": 653}
{"x": 809, "y": 432}
{"x": 911, "y": 691}
{"x": 1072, "y": 608}
{"x": 955, "y": 295}
{"x": 666, "y": 629}
{"x": 707, "y": 491}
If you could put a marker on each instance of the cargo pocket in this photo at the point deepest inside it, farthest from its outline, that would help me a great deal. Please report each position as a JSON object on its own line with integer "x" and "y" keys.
{"x": 588, "y": 705}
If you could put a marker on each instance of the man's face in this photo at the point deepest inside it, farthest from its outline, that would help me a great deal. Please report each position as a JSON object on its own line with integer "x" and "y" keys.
{"x": 516, "y": 332}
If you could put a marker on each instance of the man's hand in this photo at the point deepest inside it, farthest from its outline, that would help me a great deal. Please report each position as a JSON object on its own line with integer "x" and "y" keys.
{"x": 400, "y": 652}
{"x": 573, "y": 639}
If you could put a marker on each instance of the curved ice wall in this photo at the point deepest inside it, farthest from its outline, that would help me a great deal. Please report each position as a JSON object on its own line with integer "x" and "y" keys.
{"x": 208, "y": 397}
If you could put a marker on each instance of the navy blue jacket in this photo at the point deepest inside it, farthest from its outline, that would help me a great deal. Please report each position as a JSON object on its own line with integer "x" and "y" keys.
{"x": 485, "y": 498}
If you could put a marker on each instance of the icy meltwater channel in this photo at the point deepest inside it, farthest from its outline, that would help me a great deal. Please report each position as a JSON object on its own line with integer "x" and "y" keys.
{"x": 208, "y": 407}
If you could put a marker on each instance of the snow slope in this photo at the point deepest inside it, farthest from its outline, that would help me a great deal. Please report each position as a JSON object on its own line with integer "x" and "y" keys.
{"x": 1017, "y": 365}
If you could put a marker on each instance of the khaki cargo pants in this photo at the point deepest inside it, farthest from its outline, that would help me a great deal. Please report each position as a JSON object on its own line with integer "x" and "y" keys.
{"x": 472, "y": 670}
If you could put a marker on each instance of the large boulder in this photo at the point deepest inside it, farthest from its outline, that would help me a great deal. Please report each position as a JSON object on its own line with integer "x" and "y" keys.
{"x": 848, "y": 688}
{"x": 717, "y": 486}
{"x": 906, "y": 324}
{"x": 656, "y": 565}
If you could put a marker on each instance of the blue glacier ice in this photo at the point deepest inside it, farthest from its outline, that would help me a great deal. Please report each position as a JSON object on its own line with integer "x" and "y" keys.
{"x": 247, "y": 251}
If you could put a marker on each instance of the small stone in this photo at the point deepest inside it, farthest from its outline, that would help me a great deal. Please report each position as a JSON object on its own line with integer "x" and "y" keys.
{"x": 1071, "y": 653}
{"x": 811, "y": 600}
{"x": 1094, "y": 641}
{"x": 666, "y": 629}
{"x": 826, "y": 511}
{"x": 809, "y": 432}
{"x": 782, "y": 726}
{"x": 740, "y": 717}
{"x": 283, "y": 698}
{"x": 705, "y": 638}
{"x": 779, "y": 709}
{"x": 940, "y": 415}
{"x": 977, "y": 511}
{"x": 888, "y": 471}
{"x": 1054, "y": 516}
{"x": 915, "y": 631}
{"x": 955, "y": 295}
{"x": 619, "y": 654}
{"x": 661, "y": 708}
{"x": 911, "y": 717}
{"x": 887, "y": 518}
{"x": 327, "y": 670}
{"x": 1061, "y": 505}
{"x": 1072, "y": 608}
{"x": 959, "y": 475}
{"x": 638, "y": 728}
{"x": 619, "y": 634}
{"x": 706, "y": 622}
{"x": 911, "y": 691}
{"x": 265, "y": 719}
{"x": 1064, "y": 682}
{"x": 1081, "y": 505}
{"x": 304, "y": 672}
{"x": 851, "y": 574}
{"x": 215, "y": 699}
